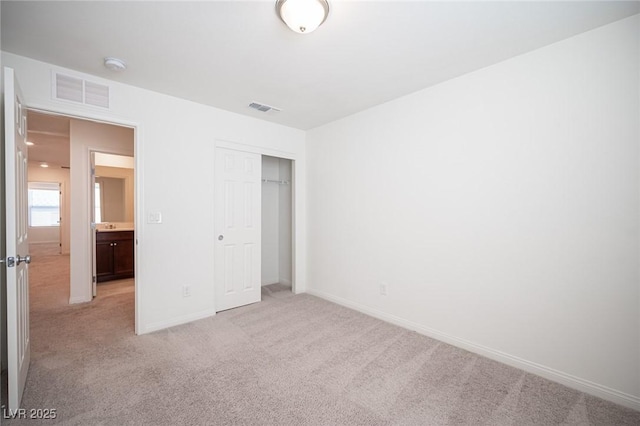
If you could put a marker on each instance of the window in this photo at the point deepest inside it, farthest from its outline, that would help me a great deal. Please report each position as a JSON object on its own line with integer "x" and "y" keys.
{"x": 44, "y": 204}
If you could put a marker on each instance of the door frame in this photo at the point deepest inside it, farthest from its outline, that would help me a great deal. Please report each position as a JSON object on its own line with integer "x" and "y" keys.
{"x": 296, "y": 250}
{"x": 92, "y": 165}
{"x": 107, "y": 118}
{"x": 92, "y": 220}
{"x": 62, "y": 211}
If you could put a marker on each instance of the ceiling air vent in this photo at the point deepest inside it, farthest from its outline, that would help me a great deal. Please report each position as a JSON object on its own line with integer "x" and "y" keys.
{"x": 263, "y": 107}
{"x": 81, "y": 91}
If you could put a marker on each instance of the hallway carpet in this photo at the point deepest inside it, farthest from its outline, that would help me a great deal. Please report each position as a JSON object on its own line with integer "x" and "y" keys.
{"x": 291, "y": 360}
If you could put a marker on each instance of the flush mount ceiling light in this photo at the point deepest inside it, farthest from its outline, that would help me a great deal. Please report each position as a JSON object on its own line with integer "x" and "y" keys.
{"x": 115, "y": 64}
{"x": 30, "y": 143}
{"x": 45, "y": 165}
{"x": 302, "y": 16}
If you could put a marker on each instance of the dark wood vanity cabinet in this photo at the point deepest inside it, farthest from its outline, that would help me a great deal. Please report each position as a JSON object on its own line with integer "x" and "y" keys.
{"x": 114, "y": 255}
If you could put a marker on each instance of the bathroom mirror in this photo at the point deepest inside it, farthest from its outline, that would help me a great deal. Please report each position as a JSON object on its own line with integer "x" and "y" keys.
{"x": 113, "y": 189}
{"x": 110, "y": 199}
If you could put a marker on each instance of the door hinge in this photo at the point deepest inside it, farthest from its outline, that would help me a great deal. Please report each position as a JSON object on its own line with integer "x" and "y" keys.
{"x": 94, "y": 278}
{"x": 10, "y": 261}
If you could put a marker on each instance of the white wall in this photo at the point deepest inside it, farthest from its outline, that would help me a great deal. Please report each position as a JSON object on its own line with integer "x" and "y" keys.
{"x": 44, "y": 234}
{"x": 501, "y": 209}
{"x": 57, "y": 174}
{"x": 276, "y": 221}
{"x": 174, "y": 157}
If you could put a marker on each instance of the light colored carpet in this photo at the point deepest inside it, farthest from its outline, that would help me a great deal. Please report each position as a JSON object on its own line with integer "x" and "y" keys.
{"x": 276, "y": 290}
{"x": 292, "y": 360}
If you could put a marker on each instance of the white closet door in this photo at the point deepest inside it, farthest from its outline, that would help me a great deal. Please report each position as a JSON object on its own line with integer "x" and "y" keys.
{"x": 237, "y": 223}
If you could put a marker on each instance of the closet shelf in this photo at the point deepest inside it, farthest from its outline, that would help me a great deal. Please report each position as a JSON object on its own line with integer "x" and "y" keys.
{"x": 280, "y": 182}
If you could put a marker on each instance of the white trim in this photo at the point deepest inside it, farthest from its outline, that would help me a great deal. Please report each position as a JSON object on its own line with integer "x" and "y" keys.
{"x": 296, "y": 286}
{"x": 76, "y": 300}
{"x": 244, "y": 147}
{"x": 46, "y": 186}
{"x": 568, "y": 380}
{"x": 160, "y": 325}
{"x": 65, "y": 111}
{"x": 138, "y": 225}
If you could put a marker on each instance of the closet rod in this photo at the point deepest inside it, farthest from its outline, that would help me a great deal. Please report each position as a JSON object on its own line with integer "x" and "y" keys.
{"x": 281, "y": 182}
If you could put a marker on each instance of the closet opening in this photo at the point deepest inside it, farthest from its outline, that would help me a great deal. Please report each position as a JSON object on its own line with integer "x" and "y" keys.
{"x": 277, "y": 227}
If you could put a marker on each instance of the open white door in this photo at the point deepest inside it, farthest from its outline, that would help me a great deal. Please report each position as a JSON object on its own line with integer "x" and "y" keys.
{"x": 18, "y": 340}
{"x": 237, "y": 223}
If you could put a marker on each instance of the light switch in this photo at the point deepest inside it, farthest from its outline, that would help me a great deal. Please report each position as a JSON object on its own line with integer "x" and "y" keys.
{"x": 154, "y": 217}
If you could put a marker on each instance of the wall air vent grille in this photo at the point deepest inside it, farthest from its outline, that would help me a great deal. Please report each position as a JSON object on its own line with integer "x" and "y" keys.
{"x": 69, "y": 88}
{"x": 263, "y": 107}
{"x": 96, "y": 94}
{"x": 80, "y": 91}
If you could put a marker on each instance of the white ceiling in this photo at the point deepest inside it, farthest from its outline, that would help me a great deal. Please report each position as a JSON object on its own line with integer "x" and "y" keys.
{"x": 50, "y": 135}
{"x": 228, "y": 54}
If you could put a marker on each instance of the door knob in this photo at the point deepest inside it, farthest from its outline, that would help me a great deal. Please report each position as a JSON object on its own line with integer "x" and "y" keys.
{"x": 220, "y": 237}
{"x": 26, "y": 259}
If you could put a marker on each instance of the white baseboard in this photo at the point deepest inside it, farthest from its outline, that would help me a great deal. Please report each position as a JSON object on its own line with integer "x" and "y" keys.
{"x": 568, "y": 380}
{"x": 160, "y": 325}
{"x": 75, "y": 300}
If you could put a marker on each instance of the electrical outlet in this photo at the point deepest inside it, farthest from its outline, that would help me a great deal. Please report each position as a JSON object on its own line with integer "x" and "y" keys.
{"x": 383, "y": 289}
{"x": 186, "y": 291}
